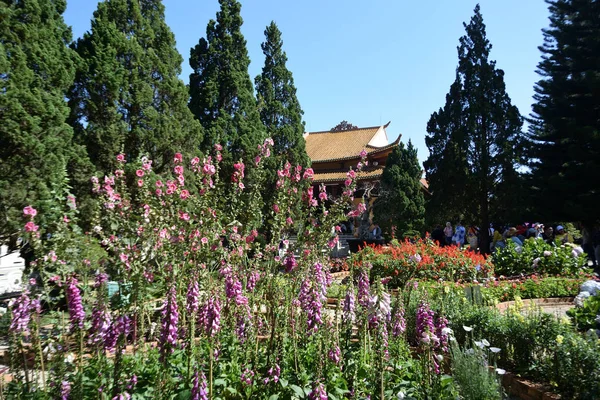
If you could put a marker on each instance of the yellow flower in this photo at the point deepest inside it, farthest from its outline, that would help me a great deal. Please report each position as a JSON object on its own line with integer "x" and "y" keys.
{"x": 565, "y": 320}
{"x": 559, "y": 339}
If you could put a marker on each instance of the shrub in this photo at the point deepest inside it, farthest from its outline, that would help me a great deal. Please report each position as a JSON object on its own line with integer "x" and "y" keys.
{"x": 537, "y": 256}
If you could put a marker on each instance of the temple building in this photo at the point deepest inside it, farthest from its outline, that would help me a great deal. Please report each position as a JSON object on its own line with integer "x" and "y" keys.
{"x": 333, "y": 153}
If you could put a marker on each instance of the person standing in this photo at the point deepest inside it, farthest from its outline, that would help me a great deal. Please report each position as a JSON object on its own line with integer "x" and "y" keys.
{"x": 448, "y": 233}
{"x": 459, "y": 235}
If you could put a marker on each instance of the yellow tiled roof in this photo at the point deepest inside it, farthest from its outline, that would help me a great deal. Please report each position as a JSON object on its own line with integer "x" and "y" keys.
{"x": 333, "y": 146}
{"x": 320, "y": 177}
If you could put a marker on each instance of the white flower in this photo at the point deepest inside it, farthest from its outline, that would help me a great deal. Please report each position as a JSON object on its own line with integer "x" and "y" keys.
{"x": 447, "y": 331}
{"x": 469, "y": 351}
{"x": 479, "y": 344}
{"x": 495, "y": 350}
{"x": 485, "y": 343}
{"x": 70, "y": 358}
{"x": 401, "y": 395}
{"x": 467, "y": 328}
{"x": 547, "y": 253}
{"x": 500, "y": 371}
{"x": 439, "y": 357}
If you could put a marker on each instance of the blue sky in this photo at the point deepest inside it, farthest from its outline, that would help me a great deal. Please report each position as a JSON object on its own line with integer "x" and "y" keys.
{"x": 369, "y": 62}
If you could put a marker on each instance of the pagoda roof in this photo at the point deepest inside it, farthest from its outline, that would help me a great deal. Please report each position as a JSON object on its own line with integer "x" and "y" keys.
{"x": 326, "y": 146}
{"x": 324, "y": 177}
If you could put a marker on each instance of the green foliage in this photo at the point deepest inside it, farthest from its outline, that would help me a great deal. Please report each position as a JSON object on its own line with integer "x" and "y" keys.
{"x": 476, "y": 135}
{"x": 221, "y": 92}
{"x": 37, "y": 153}
{"x": 127, "y": 97}
{"x": 585, "y": 317}
{"x": 400, "y": 207}
{"x": 538, "y": 346}
{"x": 565, "y": 130}
{"x": 536, "y": 256}
{"x": 472, "y": 373}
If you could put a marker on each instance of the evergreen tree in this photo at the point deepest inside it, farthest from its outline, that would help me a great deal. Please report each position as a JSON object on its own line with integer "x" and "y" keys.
{"x": 127, "y": 95}
{"x": 280, "y": 110}
{"x": 565, "y": 129}
{"x": 487, "y": 128}
{"x": 401, "y": 203}
{"x": 343, "y": 126}
{"x": 36, "y": 146}
{"x": 221, "y": 92}
{"x": 446, "y": 168}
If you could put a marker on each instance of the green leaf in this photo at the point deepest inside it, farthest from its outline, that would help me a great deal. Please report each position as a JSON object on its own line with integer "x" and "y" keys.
{"x": 220, "y": 382}
{"x": 284, "y": 382}
{"x": 184, "y": 395}
{"x": 298, "y": 390}
{"x": 274, "y": 397}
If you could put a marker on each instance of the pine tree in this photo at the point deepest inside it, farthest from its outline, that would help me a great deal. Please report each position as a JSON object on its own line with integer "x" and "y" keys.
{"x": 36, "y": 146}
{"x": 280, "y": 110}
{"x": 221, "y": 92}
{"x": 565, "y": 129}
{"x": 400, "y": 206}
{"x": 487, "y": 127}
{"x": 127, "y": 95}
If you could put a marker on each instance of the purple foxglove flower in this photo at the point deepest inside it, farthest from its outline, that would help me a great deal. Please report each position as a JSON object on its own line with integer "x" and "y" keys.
{"x": 443, "y": 333}
{"x": 349, "y": 314}
{"x": 275, "y": 372}
{"x": 247, "y": 377}
{"x": 363, "y": 289}
{"x": 233, "y": 287}
{"x": 170, "y": 319}
{"x": 192, "y": 296}
{"x": 76, "y": 313}
{"x": 210, "y": 316}
{"x": 335, "y": 355}
{"x": 120, "y": 326}
{"x": 252, "y": 280}
{"x": 65, "y": 390}
{"x": 101, "y": 322}
{"x": 21, "y": 314}
{"x": 399, "y": 322}
{"x": 101, "y": 278}
{"x": 318, "y": 392}
{"x": 425, "y": 326}
{"x": 199, "y": 391}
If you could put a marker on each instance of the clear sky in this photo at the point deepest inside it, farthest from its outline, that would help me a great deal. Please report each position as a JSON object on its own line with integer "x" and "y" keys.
{"x": 369, "y": 62}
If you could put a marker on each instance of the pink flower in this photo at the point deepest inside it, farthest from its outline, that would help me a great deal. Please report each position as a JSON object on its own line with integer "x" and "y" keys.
{"x": 178, "y": 169}
{"x": 159, "y": 184}
{"x": 308, "y": 173}
{"x": 32, "y": 212}
{"x": 184, "y": 216}
{"x": 140, "y": 172}
{"x": 289, "y": 221}
{"x": 195, "y": 161}
{"x": 257, "y": 160}
{"x": 184, "y": 194}
{"x": 178, "y": 158}
{"x": 363, "y": 153}
{"x": 323, "y": 196}
{"x": 275, "y": 208}
{"x": 204, "y": 240}
{"x": 66, "y": 219}
{"x": 218, "y": 147}
{"x": 351, "y": 174}
{"x": 158, "y": 192}
{"x": 124, "y": 257}
{"x": 119, "y": 173}
{"x": 31, "y": 227}
{"x": 140, "y": 182}
{"x": 208, "y": 169}
{"x": 121, "y": 158}
{"x": 348, "y": 182}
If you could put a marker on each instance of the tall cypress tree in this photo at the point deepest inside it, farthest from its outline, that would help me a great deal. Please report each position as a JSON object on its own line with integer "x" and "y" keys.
{"x": 401, "y": 203}
{"x": 127, "y": 95}
{"x": 489, "y": 125}
{"x": 446, "y": 168}
{"x": 280, "y": 110}
{"x": 565, "y": 129}
{"x": 221, "y": 92}
{"x": 36, "y": 146}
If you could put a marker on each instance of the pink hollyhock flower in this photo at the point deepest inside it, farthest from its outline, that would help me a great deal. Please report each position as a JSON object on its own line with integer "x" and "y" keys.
{"x": 184, "y": 194}
{"x": 140, "y": 182}
{"x": 184, "y": 216}
{"x": 218, "y": 147}
{"x": 308, "y": 173}
{"x": 32, "y": 212}
{"x": 140, "y": 172}
{"x": 204, "y": 240}
{"x": 351, "y": 174}
{"x": 275, "y": 208}
{"x": 178, "y": 169}
{"x": 159, "y": 184}
{"x": 121, "y": 158}
{"x": 158, "y": 192}
{"x": 289, "y": 221}
{"x": 147, "y": 165}
{"x": 178, "y": 158}
{"x": 31, "y": 227}
{"x": 348, "y": 182}
{"x": 257, "y": 160}
{"x": 195, "y": 161}
{"x": 119, "y": 173}
{"x": 363, "y": 154}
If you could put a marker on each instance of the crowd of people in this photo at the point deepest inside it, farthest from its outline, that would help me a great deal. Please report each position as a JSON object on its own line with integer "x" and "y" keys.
{"x": 500, "y": 235}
